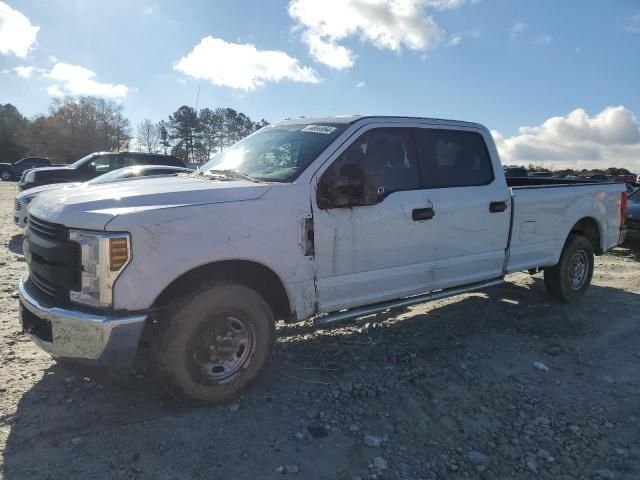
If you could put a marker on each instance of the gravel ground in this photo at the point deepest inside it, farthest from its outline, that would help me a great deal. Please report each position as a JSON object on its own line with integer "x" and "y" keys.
{"x": 444, "y": 390}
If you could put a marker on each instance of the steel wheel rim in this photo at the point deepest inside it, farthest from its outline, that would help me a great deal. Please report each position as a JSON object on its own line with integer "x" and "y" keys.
{"x": 221, "y": 348}
{"x": 578, "y": 268}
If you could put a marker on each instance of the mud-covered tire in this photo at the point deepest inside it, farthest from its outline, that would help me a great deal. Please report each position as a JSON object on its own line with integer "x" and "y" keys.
{"x": 214, "y": 343}
{"x": 570, "y": 278}
{"x": 6, "y": 175}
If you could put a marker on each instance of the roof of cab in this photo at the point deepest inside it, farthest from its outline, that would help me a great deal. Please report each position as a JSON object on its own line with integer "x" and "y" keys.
{"x": 351, "y": 119}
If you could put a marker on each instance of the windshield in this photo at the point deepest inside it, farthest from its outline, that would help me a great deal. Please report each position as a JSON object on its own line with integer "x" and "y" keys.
{"x": 82, "y": 161}
{"x": 115, "y": 175}
{"x": 276, "y": 153}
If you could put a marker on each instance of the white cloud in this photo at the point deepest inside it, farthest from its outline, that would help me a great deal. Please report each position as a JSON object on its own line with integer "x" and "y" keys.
{"x": 633, "y": 24}
{"x": 545, "y": 39}
{"x": 360, "y": 84}
{"x": 53, "y": 59}
{"x": 609, "y": 139}
{"x": 77, "y": 80}
{"x": 242, "y": 66}
{"x": 55, "y": 91}
{"x": 454, "y": 40}
{"x": 390, "y": 25}
{"x": 24, "y": 71}
{"x": 517, "y": 28}
{"x": 17, "y": 35}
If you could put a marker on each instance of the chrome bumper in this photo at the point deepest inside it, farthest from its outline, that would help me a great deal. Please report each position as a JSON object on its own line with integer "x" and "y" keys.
{"x": 110, "y": 341}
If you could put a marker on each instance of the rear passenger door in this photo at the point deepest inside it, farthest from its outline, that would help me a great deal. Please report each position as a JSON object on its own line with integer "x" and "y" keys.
{"x": 470, "y": 202}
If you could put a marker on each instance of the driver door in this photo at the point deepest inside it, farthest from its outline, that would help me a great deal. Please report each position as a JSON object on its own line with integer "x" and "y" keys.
{"x": 371, "y": 222}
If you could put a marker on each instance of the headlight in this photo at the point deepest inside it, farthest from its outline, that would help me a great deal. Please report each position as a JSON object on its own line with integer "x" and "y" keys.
{"x": 29, "y": 177}
{"x": 27, "y": 199}
{"x": 103, "y": 257}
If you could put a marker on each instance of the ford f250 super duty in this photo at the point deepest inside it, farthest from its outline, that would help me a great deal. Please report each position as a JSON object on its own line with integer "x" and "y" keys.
{"x": 332, "y": 218}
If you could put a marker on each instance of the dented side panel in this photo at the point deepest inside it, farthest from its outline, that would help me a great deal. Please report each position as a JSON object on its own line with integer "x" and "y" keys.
{"x": 171, "y": 242}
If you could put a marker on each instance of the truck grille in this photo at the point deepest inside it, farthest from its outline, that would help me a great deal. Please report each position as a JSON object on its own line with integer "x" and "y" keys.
{"x": 48, "y": 230}
{"x": 17, "y": 205}
{"x": 54, "y": 261}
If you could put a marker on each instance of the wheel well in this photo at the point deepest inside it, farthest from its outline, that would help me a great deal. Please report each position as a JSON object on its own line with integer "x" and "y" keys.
{"x": 254, "y": 275}
{"x": 587, "y": 227}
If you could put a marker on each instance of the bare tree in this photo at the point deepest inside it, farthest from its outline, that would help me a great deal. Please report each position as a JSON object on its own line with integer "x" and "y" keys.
{"x": 75, "y": 127}
{"x": 148, "y": 136}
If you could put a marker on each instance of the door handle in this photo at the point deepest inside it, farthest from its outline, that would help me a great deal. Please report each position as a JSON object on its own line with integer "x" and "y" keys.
{"x": 420, "y": 214}
{"x": 497, "y": 207}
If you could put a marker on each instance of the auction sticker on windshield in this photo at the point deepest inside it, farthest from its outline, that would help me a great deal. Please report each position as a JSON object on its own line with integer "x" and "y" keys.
{"x": 319, "y": 129}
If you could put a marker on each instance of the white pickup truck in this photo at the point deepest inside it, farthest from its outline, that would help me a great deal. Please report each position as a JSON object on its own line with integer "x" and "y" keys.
{"x": 332, "y": 218}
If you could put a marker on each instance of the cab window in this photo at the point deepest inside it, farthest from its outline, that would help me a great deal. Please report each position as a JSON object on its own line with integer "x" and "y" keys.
{"x": 378, "y": 163}
{"x": 452, "y": 158}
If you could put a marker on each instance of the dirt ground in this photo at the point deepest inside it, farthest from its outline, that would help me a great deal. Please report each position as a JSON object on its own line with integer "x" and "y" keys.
{"x": 445, "y": 390}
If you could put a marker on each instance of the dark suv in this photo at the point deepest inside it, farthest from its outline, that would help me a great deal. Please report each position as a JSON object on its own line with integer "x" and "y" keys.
{"x": 93, "y": 165}
{"x": 12, "y": 171}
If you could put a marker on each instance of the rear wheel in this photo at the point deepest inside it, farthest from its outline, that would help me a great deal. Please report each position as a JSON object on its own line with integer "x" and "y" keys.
{"x": 570, "y": 278}
{"x": 215, "y": 343}
{"x": 6, "y": 175}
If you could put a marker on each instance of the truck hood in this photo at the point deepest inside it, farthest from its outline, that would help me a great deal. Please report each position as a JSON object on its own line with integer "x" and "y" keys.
{"x": 93, "y": 206}
{"x": 32, "y": 192}
{"x": 63, "y": 171}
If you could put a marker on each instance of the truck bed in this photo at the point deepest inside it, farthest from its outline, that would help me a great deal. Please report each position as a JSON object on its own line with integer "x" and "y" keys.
{"x": 545, "y": 210}
{"x": 546, "y": 181}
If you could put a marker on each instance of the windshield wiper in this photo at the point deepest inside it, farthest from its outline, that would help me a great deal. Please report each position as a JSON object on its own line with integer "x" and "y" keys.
{"x": 232, "y": 174}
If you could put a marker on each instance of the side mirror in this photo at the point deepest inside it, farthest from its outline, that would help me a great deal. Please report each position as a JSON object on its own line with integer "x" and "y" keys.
{"x": 346, "y": 191}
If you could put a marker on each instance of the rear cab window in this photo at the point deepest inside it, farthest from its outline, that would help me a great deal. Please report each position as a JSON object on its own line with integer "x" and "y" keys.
{"x": 452, "y": 158}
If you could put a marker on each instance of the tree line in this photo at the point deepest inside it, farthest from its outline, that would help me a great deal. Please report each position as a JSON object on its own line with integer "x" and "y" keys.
{"x": 195, "y": 135}
{"x": 568, "y": 172}
{"x": 75, "y": 127}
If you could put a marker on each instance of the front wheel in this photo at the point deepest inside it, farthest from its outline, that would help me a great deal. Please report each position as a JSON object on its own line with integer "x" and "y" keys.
{"x": 6, "y": 175}
{"x": 215, "y": 343}
{"x": 570, "y": 278}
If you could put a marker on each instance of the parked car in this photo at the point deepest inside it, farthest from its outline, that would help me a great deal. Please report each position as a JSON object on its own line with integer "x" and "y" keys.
{"x": 92, "y": 166}
{"x": 13, "y": 171}
{"x": 24, "y": 198}
{"x": 541, "y": 174}
{"x": 331, "y": 218}
{"x": 633, "y": 216}
{"x": 516, "y": 172}
{"x": 626, "y": 179}
{"x": 600, "y": 178}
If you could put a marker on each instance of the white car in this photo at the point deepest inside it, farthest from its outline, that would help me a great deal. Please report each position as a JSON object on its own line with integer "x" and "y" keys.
{"x": 331, "y": 218}
{"x": 24, "y": 198}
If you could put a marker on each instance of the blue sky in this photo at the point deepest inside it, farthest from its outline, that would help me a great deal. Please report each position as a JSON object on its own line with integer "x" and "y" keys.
{"x": 505, "y": 63}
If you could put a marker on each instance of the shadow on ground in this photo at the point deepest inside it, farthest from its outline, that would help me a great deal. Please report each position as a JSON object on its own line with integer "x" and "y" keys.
{"x": 72, "y": 427}
{"x": 15, "y": 244}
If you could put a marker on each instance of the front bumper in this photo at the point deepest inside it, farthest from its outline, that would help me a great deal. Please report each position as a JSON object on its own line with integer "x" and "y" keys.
{"x": 101, "y": 340}
{"x": 25, "y": 186}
